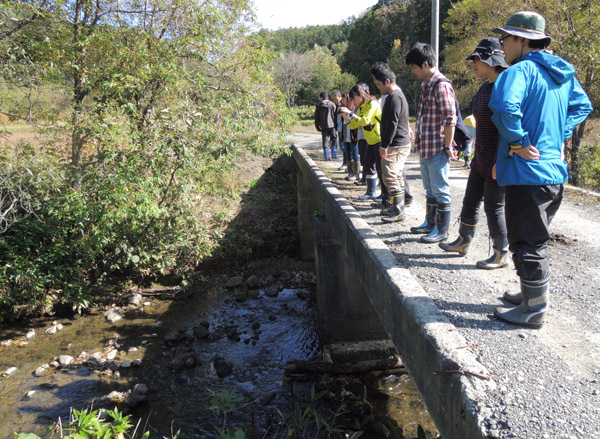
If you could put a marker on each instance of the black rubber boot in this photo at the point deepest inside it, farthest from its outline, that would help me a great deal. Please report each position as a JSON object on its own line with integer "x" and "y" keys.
{"x": 397, "y": 213}
{"x": 531, "y": 311}
{"x": 371, "y": 188}
{"x": 498, "y": 259}
{"x": 514, "y": 297}
{"x": 440, "y": 233}
{"x": 429, "y": 224}
{"x": 466, "y": 231}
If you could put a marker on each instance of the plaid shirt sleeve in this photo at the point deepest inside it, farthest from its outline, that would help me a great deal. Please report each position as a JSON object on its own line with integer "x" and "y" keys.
{"x": 436, "y": 110}
{"x": 444, "y": 96}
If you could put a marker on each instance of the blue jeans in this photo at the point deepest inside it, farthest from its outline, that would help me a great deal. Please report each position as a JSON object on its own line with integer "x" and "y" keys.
{"x": 434, "y": 173}
{"x": 352, "y": 151}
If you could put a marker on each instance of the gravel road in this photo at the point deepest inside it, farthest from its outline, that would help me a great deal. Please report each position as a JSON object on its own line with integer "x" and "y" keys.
{"x": 548, "y": 380}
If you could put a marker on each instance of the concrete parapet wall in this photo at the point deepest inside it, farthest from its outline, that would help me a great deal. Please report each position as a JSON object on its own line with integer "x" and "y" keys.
{"x": 354, "y": 262}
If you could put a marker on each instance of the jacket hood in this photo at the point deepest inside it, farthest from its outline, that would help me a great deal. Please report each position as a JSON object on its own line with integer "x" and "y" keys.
{"x": 558, "y": 69}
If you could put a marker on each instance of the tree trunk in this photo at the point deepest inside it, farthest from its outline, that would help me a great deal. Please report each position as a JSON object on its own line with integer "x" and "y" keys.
{"x": 575, "y": 165}
{"x": 79, "y": 93}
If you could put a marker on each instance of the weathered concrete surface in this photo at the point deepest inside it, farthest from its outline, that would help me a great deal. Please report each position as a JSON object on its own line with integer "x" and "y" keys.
{"x": 449, "y": 378}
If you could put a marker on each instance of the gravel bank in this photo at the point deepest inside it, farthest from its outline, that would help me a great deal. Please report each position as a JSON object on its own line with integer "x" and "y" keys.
{"x": 548, "y": 379}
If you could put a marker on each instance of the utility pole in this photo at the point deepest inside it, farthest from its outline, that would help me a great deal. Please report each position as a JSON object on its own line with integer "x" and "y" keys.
{"x": 435, "y": 30}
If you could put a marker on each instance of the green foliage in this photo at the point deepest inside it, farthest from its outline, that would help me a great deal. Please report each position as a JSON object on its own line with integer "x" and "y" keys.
{"x": 97, "y": 424}
{"x": 157, "y": 116}
{"x": 222, "y": 404}
{"x": 304, "y": 39}
{"x": 589, "y": 173}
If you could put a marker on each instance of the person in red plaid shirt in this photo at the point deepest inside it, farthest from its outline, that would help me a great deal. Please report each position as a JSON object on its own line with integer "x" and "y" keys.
{"x": 436, "y": 119}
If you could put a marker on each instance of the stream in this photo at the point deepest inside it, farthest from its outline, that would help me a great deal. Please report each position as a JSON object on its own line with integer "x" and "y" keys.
{"x": 164, "y": 356}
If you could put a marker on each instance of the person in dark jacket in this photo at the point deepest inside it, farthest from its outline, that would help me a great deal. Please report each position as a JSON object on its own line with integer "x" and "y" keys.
{"x": 325, "y": 122}
{"x": 395, "y": 139}
{"x": 488, "y": 62}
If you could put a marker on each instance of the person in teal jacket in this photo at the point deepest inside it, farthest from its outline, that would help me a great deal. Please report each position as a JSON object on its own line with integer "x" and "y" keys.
{"x": 537, "y": 103}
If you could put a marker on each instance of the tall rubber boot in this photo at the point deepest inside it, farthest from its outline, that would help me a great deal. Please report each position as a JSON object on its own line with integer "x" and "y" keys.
{"x": 466, "y": 231}
{"x": 442, "y": 220}
{"x": 429, "y": 224}
{"x": 350, "y": 175}
{"x": 363, "y": 179}
{"x": 326, "y": 153}
{"x": 345, "y": 166}
{"x": 334, "y": 151}
{"x": 397, "y": 213}
{"x": 514, "y": 297}
{"x": 498, "y": 259}
{"x": 371, "y": 188}
{"x": 531, "y": 311}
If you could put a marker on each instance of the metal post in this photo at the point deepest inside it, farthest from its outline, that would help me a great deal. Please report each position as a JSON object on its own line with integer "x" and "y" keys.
{"x": 435, "y": 29}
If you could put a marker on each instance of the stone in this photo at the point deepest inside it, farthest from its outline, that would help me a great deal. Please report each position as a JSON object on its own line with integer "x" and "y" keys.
{"x": 222, "y": 367}
{"x": 272, "y": 291}
{"x": 64, "y": 360}
{"x": 30, "y": 334}
{"x": 9, "y": 371}
{"x": 253, "y": 294}
{"x": 115, "y": 396}
{"x": 240, "y": 296}
{"x": 51, "y": 330}
{"x": 201, "y": 332}
{"x": 113, "y": 315}
{"x": 234, "y": 282}
{"x": 135, "y": 299}
{"x": 252, "y": 281}
{"x": 284, "y": 275}
{"x": 42, "y": 370}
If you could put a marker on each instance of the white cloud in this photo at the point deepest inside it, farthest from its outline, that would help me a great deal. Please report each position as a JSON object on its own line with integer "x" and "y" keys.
{"x": 280, "y": 14}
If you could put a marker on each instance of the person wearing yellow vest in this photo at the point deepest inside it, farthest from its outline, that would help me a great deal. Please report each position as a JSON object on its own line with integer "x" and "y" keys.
{"x": 368, "y": 116}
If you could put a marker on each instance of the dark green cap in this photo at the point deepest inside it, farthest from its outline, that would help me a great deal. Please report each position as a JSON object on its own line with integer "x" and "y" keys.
{"x": 526, "y": 24}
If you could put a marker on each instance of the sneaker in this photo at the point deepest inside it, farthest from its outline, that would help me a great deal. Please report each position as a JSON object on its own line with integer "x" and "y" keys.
{"x": 343, "y": 168}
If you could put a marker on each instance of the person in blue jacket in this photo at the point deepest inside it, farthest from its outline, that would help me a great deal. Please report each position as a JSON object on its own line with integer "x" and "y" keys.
{"x": 537, "y": 103}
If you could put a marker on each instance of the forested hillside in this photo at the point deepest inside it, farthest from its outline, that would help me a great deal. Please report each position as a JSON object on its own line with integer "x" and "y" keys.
{"x": 388, "y": 30}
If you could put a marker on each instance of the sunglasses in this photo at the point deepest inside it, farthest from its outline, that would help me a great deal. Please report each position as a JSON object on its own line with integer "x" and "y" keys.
{"x": 501, "y": 39}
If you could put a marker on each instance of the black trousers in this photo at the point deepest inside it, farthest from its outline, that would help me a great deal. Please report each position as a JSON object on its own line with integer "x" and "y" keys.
{"x": 331, "y": 134}
{"x": 362, "y": 151}
{"x": 480, "y": 188}
{"x": 372, "y": 163}
{"x": 529, "y": 212}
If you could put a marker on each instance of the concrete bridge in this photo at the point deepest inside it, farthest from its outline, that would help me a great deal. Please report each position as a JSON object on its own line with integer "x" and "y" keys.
{"x": 372, "y": 297}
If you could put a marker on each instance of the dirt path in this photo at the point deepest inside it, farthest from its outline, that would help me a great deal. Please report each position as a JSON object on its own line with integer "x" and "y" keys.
{"x": 548, "y": 380}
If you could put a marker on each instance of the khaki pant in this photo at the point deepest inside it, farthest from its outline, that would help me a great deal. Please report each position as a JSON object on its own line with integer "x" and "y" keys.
{"x": 392, "y": 167}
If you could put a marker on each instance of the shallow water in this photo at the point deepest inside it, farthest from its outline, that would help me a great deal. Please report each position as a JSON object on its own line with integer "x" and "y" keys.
{"x": 269, "y": 332}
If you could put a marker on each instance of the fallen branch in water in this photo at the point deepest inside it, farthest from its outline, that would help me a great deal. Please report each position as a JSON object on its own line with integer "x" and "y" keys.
{"x": 360, "y": 367}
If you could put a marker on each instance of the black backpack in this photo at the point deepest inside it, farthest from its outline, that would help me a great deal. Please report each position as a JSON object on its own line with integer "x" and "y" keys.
{"x": 462, "y": 137}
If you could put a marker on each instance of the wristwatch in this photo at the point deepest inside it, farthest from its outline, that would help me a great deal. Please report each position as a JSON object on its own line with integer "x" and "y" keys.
{"x": 447, "y": 148}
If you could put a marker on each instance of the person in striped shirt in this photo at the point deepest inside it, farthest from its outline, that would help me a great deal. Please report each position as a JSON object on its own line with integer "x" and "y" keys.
{"x": 488, "y": 62}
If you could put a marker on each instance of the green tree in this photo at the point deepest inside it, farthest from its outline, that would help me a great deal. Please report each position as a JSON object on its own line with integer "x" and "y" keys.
{"x": 163, "y": 101}
{"x": 575, "y": 30}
